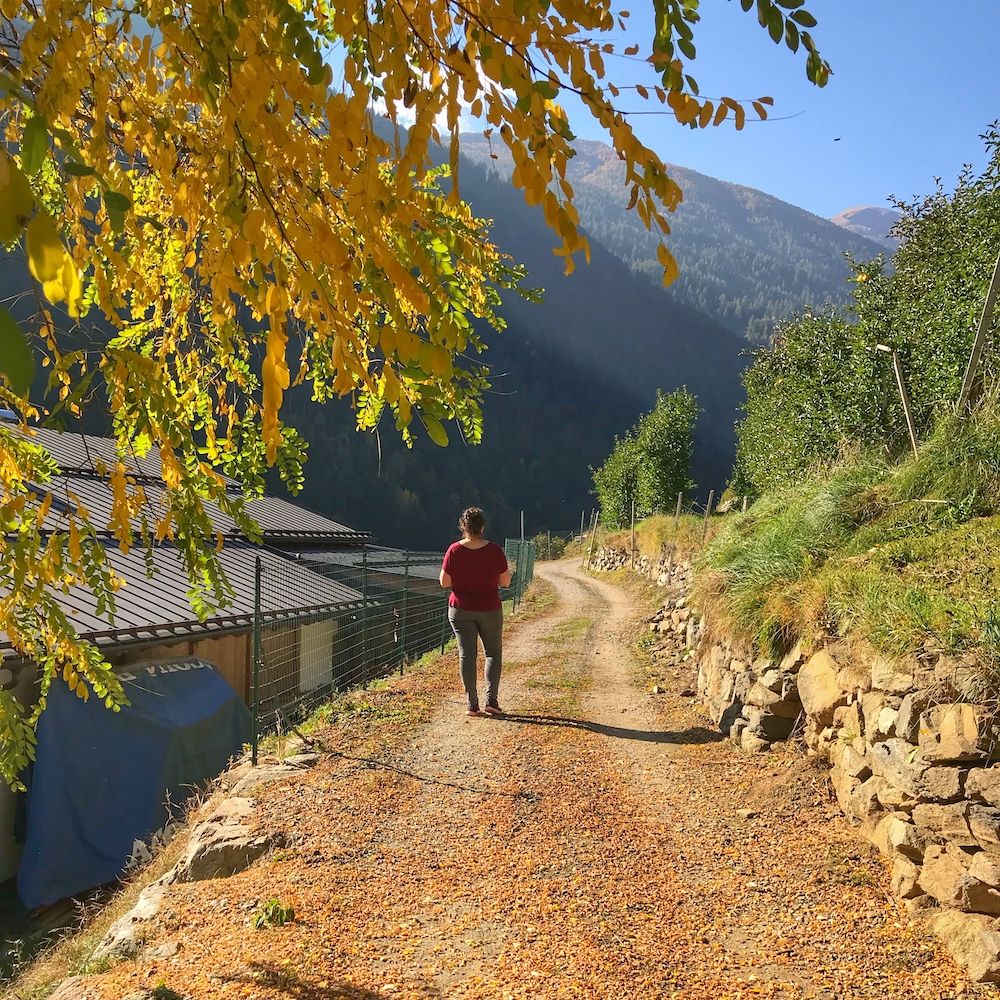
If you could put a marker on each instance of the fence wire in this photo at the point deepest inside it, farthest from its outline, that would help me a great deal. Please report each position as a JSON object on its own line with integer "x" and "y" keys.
{"x": 394, "y": 612}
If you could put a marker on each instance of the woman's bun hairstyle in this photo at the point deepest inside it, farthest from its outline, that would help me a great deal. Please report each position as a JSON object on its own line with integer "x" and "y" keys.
{"x": 472, "y": 521}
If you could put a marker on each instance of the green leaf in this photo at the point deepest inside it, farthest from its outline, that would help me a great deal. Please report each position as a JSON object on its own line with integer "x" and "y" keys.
{"x": 17, "y": 363}
{"x": 435, "y": 430}
{"x": 75, "y": 168}
{"x": 34, "y": 145}
{"x": 775, "y": 25}
{"x": 804, "y": 18}
{"x": 547, "y": 89}
{"x": 791, "y": 36}
{"x": 117, "y": 204}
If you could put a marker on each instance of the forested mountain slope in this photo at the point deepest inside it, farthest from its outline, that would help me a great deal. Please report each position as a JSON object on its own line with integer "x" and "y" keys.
{"x": 568, "y": 375}
{"x": 747, "y": 259}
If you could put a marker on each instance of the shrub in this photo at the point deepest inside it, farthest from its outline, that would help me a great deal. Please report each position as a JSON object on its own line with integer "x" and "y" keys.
{"x": 822, "y": 388}
{"x": 650, "y": 465}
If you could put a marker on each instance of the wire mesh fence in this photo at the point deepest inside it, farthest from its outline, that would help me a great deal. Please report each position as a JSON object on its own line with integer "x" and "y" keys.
{"x": 393, "y": 612}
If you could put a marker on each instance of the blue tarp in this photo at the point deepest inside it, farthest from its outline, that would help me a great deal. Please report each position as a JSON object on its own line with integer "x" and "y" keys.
{"x": 103, "y": 780}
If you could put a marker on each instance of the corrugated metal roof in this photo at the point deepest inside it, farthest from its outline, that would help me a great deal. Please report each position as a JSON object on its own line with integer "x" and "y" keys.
{"x": 157, "y": 607}
{"x": 424, "y": 565}
{"x": 278, "y": 519}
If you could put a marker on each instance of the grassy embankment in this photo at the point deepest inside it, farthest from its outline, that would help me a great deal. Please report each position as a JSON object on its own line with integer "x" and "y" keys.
{"x": 905, "y": 556}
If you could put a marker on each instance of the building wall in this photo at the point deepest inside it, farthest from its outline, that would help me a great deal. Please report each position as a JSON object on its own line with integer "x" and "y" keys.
{"x": 316, "y": 643}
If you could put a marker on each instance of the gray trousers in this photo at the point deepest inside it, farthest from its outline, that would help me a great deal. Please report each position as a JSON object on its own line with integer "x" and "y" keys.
{"x": 469, "y": 627}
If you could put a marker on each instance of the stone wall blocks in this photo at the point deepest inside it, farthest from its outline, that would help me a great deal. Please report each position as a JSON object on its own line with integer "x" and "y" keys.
{"x": 984, "y": 783}
{"x": 945, "y": 823}
{"x": 946, "y": 875}
{"x": 893, "y": 834}
{"x": 891, "y": 676}
{"x": 904, "y": 878}
{"x": 818, "y": 688}
{"x": 955, "y": 732}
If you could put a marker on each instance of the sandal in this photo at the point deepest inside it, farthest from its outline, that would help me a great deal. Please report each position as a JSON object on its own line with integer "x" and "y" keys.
{"x": 494, "y": 710}
{"x": 474, "y": 712}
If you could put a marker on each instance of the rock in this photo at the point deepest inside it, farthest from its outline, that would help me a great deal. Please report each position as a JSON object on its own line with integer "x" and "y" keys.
{"x": 125, "y": 936}
{"x": 957, "y": 675}
{"x": 946, "y": 876}
{"x": 945, "y": 823}
{"x": 899, "y": 765}
{"x": 953, "y": 732}
{"x": 904, "y": 878}
{"x": 76, "y": 988}
{"x": 985, "y": 868}
{"x": 973, "y": 941}
{"x": 984, "y": 783}
{"x": 893, "y": 835}
{"x": 984, "y": 823}
{"x": 894, "y": 799}
{"x": 848, "y": 718}
{"x": 819, "y": 691}
{"x": 853, "y": 677}
{"x": 911, "y": 708}
{"x": 168, "y": 949}
{"x": 848, "y": 760}
{"x": 764, "y": 698}
{"x": 885, "y": 724}
{"x": 773, "y": 727}
{"x": 872, "y": 703}
{"x": 792, "y": 660}
{"x": 224, "y": 844}
{"x": 905, "y": 770}
{"x": 889, "y": 675}
{"x": 746, "y": 813}
{"x": 752, "y": 743}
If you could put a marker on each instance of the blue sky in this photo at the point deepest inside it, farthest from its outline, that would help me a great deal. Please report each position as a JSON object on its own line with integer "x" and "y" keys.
{"x": 915, "y": 84}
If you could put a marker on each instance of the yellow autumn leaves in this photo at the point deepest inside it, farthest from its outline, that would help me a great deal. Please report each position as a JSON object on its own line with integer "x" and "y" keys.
{"x": 48, "y": 259}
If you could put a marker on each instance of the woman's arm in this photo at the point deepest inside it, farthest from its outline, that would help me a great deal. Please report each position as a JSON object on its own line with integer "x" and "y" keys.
{"x": 506, "y": 577}
{"x": 445, "y": 579}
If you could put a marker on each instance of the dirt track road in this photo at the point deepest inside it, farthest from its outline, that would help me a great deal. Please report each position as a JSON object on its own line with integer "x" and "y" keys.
{"x": 589, "y": 845}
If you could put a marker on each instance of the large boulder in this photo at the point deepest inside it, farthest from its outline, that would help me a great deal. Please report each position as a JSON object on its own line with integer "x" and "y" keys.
{"x": 819, "y": 691}
{"x": 77, "y": 988}
{"x": 973, "y": 941}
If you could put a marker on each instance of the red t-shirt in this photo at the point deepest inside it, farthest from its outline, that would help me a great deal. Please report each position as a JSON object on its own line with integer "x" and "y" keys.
{"x": 475, "y": 576}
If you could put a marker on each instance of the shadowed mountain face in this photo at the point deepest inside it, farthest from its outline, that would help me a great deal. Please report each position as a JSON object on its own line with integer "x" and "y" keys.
{"x": 568, "y": 375}
{"x": 747, "y": 259}
{"x": 871, "y": 221}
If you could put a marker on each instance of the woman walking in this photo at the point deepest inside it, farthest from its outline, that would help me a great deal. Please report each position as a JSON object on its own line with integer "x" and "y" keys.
{"x": 475, "y": 569}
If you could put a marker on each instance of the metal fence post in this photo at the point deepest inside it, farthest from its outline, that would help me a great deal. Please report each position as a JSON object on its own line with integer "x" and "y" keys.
{"x": 444, "y": 626}
{"x": 406, "y": 610}
{"x": 708, "y": 511}
{"x": 633, "y": 533}
{"x": 677, "y": 513}
{"x": 255, "y": 696}
{"x": 593, "y": 538}
{"x": 364, "y": 617}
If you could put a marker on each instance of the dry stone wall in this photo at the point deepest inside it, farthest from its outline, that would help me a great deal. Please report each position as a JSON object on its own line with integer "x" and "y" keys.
{"x": 914, "y": 755}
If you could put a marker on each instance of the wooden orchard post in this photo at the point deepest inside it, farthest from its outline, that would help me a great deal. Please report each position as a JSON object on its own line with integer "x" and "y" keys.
{"x": 677, "y": 513}
{"x": 633, "y": 534}
{"x": 708, "y": 511}
{"x": 593, "y": 538}
{"x": 977, "y": 347}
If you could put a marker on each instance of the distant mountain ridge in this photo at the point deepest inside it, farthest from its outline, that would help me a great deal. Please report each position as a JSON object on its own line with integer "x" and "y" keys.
{"x": 873, "y": 222}
{"x": 747, "y": 259}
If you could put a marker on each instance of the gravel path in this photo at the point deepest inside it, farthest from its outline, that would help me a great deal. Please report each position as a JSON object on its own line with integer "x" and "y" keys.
{"x": 598, "y": 842}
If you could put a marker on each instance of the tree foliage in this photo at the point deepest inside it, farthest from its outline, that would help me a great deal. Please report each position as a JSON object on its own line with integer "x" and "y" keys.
{"x": 823, "y": 386}
{"x": 650, "y": 465}
{"x": 188, "y": 175}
